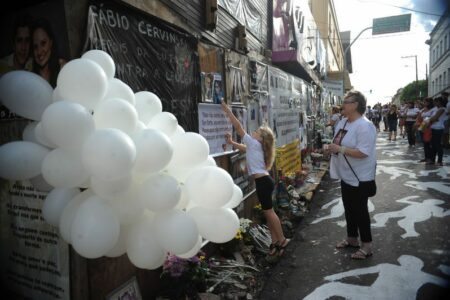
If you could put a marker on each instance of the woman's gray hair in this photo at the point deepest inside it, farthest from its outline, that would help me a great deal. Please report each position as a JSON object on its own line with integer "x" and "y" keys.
{"x": 358, "y": 97}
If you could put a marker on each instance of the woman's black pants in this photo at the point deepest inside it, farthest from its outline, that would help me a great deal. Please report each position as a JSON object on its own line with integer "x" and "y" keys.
{"x": 356, "y": 212}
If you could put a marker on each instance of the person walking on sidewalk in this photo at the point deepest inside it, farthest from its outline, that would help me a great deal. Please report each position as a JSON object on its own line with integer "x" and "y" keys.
{"x": 260, "y": 154}
{"x": 354, "y": 160}
{"x": 392, "y": 118}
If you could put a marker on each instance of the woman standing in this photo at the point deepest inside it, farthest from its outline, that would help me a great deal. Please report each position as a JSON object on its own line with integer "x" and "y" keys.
{"x": 46, "y": 61}
{"x": 437, "y": 130}
{"x": 425, "y": 114}
{"x": 411, "y": 115}
{"x": 260, "y": 154}
{"x": 354, "y": 161}
{"x": 392, "y": 118}
{"x": 334, "y": 118}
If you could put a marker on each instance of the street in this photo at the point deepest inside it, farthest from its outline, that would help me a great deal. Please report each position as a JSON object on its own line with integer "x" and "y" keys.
{"x": 410, "y": 227}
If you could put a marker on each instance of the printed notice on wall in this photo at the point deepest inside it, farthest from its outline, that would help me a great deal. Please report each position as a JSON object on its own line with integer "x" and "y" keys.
{"x": 213, "y": 125}
{"x": 34, "y": 259}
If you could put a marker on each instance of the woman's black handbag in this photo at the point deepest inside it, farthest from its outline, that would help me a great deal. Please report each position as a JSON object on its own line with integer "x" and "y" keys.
{"x": 370, "y": 187}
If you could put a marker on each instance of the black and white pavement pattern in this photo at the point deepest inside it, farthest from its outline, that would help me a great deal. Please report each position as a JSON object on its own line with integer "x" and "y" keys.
{"x": 410, "y": 218}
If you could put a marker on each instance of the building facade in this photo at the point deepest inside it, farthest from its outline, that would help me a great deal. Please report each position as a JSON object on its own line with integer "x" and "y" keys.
{"x": 439, "y": 61}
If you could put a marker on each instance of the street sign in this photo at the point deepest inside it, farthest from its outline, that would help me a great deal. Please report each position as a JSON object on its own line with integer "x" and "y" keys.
{"x": 391, "y": 24}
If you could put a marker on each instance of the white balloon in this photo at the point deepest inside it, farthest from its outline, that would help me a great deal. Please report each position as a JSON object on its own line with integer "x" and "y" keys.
{"x": 55, "y": 202}
{"x": 165, "y": 121}
{"x": 189, "y": 149}
{"x": 139, "y": 127}
{"x": 108, "y": 154}
{"x": 40, "y": 184}
{"x": 82, "y": 81}
{"x": 69, "y": 212}
{"x": 67, "y": 124}
{"x": 153, "y": 151}
{"x": 184, "y": 200}
{"x": 147, "y": 105}
{"x": 159, "y": 192}
{"x": 120, "y": 247}
{"x": 180, "y": 173}
{"x": 176, "y": 231}
{"x": 128, "y": 207}
{"x": 21, "y": 160}
{"x": 25, "y": 93}
{"x": 178, "y": 131}
{"x": 143, "y": 249}
{"x": 210, "y": 186}
{"x": 103, "y": 59}
{"x": 116, "y": 113}
{"x": 119, "y": 89}
{"x": 63, "y": 169}
{"x": 193, "y": 252}
{"x": 114, "y": 188}
{"x": 218, "y": 225}
{"x": 57, "y": 95}
{"x": 42, "y": 138}
{"x": 236, "y": 199}
{"x": 95, "y": 228}
{"x": 28, "y": 133}
{"x": 210, "y": 161}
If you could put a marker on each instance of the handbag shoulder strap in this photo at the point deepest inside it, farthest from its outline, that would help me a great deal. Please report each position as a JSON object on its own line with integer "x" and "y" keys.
{"x": 351, "y": 168}
{"x": 345, "y": 124}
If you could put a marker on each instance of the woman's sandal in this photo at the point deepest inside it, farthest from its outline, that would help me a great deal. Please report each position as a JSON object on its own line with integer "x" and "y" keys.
{"x": 345, "y": 244}
{"x": 360, "y": 254}
{"x": 273, "y": 249}
{"x": 282, "y": 247}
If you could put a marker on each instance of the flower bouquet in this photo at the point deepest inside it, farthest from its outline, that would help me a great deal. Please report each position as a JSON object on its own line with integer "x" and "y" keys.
{"x": 184, "y": 278}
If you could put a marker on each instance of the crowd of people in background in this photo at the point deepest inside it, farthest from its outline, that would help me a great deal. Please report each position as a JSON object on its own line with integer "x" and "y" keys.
{"x": 422, "y": 122}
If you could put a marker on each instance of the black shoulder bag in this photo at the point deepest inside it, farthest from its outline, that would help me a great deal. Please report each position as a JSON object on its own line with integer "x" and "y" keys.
{"x": 370, "y": 187}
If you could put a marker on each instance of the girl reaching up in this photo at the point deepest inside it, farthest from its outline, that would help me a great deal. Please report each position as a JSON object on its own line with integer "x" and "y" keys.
{"x": 260, "y": 154}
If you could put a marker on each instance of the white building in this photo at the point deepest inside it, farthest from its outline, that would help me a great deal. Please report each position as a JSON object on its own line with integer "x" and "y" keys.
{"x": 439, "y": 77}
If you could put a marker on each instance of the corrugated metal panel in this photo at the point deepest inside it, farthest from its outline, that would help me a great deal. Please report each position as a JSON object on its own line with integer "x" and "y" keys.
{"x": 193, "y": 13}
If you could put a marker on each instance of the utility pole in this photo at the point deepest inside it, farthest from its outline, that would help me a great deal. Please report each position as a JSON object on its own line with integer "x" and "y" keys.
{"x": 344, "y": 67}
{"x": 417, "y": 78}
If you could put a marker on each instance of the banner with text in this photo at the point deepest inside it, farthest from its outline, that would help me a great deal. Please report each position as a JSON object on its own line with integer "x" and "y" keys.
{"x": 34, "y": 259}
{"x": 150, "y": 54}
{"x": 334, "y": 86}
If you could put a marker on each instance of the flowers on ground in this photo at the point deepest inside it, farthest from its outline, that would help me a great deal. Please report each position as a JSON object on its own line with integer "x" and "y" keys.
{"x": 185, "y": 276}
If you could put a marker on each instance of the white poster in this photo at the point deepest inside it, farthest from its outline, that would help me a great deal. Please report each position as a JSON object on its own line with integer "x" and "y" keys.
{"x": 334, "y": 86}
{"x": 285, "y": 125}
{"x": 254, "y": 121}
{"x": 213, "y": 125}
{"x": 34, "y": 259}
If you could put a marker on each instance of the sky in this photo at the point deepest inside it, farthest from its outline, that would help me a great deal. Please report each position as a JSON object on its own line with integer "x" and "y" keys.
{"x": 377, "y": 60}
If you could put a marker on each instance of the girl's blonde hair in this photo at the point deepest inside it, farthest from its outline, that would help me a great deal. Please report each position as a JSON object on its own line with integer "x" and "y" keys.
{"x": 268, "y": 145}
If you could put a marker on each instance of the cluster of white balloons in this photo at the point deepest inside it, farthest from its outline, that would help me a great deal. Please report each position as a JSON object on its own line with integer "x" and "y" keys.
{"x": 122, "y": 175}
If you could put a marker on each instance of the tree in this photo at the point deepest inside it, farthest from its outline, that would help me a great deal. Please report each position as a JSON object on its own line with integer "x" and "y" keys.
{"x": 409, "y": 91}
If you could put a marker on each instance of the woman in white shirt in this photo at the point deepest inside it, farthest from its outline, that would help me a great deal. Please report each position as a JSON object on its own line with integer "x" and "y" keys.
{"x": 411, "y": 115}
{"x": 335, "y": 118}
{"x": 437, "y": 130}
{"x": 353, "y": 162}
{"x": 425, "y": 114}
{"x": 260, "y": 154}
